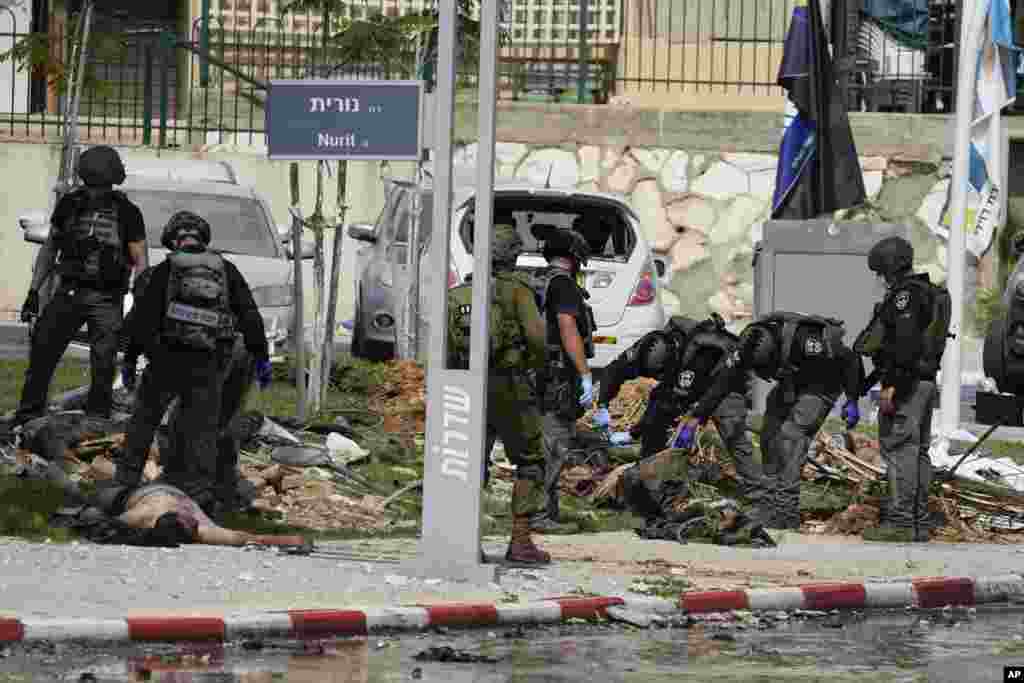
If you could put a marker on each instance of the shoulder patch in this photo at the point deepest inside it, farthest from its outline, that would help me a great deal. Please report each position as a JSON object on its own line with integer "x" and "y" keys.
{"x": 902, "y": 300}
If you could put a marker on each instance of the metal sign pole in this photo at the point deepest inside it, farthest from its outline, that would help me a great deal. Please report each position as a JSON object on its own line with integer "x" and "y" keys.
{"x": 450, "y": 536}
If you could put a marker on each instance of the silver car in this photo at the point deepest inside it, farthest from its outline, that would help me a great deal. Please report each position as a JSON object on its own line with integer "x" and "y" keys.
{"x": 622, "y": 276}
{"x": 243, "y": 230}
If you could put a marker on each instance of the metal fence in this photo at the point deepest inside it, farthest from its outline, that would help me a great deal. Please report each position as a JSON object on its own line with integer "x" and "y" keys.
{"x": 150, "y": 85}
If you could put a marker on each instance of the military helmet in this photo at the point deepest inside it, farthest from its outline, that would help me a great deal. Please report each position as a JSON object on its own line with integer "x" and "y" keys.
{"x": 759, "y": 349}
{"x": 891, "y": 256}
{"x": 681, "y": 324}
{"x": 185, "y": 221}
{"x": 655, "y": 355}
{"x": 101, "y": 165}
{"x": 559, "y": 242}
{"x": 507, "y": 244}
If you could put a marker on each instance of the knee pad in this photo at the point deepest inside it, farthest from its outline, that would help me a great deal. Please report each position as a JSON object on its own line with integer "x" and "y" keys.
{"x": 530, "y": 473}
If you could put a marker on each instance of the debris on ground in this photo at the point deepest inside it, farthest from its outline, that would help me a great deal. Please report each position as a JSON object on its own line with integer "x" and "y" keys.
{"x": 449, "y": 655}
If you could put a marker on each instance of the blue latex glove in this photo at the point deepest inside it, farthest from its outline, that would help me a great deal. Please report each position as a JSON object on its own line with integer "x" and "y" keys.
{"x": 587, "y": 397}
{"x": 685, "y": 437}
{"x": 620, "y": 438}
{"x": 851, "y": 413}
{"x": 128, "y": 375}
{"x": 601, "y": 418}
{"x": 264, "y": 373}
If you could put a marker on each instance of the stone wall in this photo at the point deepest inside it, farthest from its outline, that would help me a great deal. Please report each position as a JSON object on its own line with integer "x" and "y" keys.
{"x": 703, "y": 211}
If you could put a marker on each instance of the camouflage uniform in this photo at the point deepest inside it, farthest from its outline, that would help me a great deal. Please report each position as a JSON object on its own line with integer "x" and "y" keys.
{"x": 517, "y": 345}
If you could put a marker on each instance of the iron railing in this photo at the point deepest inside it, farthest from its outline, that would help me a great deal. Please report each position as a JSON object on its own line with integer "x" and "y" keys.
{"x": 148, "y": 86}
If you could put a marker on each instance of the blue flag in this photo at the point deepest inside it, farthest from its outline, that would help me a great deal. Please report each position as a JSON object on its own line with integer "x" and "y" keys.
{"x": 818, "y": 171}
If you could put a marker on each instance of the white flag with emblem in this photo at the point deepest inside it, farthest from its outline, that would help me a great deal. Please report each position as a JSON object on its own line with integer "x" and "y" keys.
{"x": 995, "y": 87}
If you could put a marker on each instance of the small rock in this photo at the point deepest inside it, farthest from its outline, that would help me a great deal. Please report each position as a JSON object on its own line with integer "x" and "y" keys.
{"x": 417, "y": 673}
{"x": 381, "y": 644}
{"x": 724, "y": 636}
{"x": 628, "y": 616}
{"x": 432, "y": 582}
{"x": 395, "y": 580}
{"x": 252, "y": 645}
{"x": 246, "y": 576}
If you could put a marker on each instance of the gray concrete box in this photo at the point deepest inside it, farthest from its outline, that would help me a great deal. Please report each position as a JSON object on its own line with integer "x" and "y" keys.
{"x": 818, "y": 267}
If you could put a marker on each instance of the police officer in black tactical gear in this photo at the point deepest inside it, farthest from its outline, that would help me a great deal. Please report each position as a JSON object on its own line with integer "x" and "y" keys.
{"x": 806, "y": 358}
{"x": 97, "y": 240}
{"x": 685, "y": 358}
{"x": 905, "y": 339}
{"x": 567, "y": 386}
{"x": 186, "y": 324}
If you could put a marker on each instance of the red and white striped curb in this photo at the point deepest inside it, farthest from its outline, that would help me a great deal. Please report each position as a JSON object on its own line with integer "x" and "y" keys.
{"x": 929, "y": 592}
{"x": 307, "y": 624}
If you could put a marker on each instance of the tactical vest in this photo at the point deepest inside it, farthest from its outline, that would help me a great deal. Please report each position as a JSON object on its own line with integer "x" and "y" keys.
{"x": 870, "y": 341}
{"x": 93, "y": 250}
{"x": 508, "y": 343}
{"x": 585, "y": 323}
{"x": 831, "y": 329}
{"x": 198, "y": 314}
{"x": 705, "y": 337}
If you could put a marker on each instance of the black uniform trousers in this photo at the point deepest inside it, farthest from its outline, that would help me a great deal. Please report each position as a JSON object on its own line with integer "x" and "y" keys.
{"x": 70, "y": 308}
{"x": 195, "y": 378}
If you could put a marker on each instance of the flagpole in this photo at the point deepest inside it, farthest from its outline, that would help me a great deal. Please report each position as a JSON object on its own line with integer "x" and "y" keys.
{"x": 970, "y": 34}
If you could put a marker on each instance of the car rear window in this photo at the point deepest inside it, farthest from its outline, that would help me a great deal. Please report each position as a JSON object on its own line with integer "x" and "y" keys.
{"x": 604, "y": 225}
{"x": 239, "y": 224}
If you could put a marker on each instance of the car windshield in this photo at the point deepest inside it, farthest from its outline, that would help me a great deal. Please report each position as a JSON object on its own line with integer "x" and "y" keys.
{"x": 239, "y": 224}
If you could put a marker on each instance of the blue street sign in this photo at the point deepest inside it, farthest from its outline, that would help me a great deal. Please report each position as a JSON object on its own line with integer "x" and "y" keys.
{"x": 328, "y": 119}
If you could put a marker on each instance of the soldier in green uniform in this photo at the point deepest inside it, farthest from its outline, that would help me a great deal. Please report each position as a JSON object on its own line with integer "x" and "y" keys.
{"x": 517, "y": 345}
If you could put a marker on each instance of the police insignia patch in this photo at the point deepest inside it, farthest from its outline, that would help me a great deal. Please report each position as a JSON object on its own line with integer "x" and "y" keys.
{"x": 813, "y": 346}
{"x": 686, "y": 379}
{"x": 902, "y": 299}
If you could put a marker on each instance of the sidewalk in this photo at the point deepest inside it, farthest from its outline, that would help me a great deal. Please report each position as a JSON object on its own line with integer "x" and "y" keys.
{"x": 50, "y": 591}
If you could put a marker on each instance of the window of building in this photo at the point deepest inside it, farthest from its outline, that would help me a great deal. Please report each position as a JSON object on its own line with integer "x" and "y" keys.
{"x": 538, "y": 33}
{"x": 591, "y": 34}
{"x": 610, "y": 33}
{"x": 556, "y": 34}
{"x": 574, "y": 18}
{"x": 538, "y": 16}
{"x": 557, "y": 17}
{"x": 521, "y": 16}
{"x": 518, "y": 34}
{"x": 574, "y": 35}
{"x": 609, "y": 17}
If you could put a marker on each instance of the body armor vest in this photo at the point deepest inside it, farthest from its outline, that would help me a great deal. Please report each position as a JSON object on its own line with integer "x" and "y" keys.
{"x": 198, "y": 314}
{"x": 508, "y": 344}
{"x": 585, "y": 323}
{"x": 715, "y": 339}
{"x": 93, "y": 248}
{"x": 831, "y": 335}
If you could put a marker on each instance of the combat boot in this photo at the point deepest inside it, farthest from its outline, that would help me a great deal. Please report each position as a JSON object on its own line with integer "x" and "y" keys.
{"x": 520, "y": 547}
{"x": 889, "y": 534}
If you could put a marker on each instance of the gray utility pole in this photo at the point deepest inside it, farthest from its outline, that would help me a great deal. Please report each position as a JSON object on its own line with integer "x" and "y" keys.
{"x": 457, "y": 399}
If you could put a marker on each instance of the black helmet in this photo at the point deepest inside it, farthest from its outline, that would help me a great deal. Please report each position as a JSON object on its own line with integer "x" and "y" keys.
{"x": 680, "y": 324}
{"x": 891, "y": 256}
{"x": 101, "y": 165}
{"x": 185, "y": 221}
{"x": 655, "y": 355}
{"x": 759, "y": 349}
{"x": 558, "y": 242}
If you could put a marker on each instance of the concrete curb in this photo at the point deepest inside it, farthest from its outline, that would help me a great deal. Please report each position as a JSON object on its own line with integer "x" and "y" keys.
{"x": 311, "y": 624}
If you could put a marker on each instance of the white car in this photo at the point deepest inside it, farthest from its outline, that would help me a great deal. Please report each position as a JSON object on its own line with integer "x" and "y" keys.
{"x": 240, "y": 218}
{"x": 621, "y": 277}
